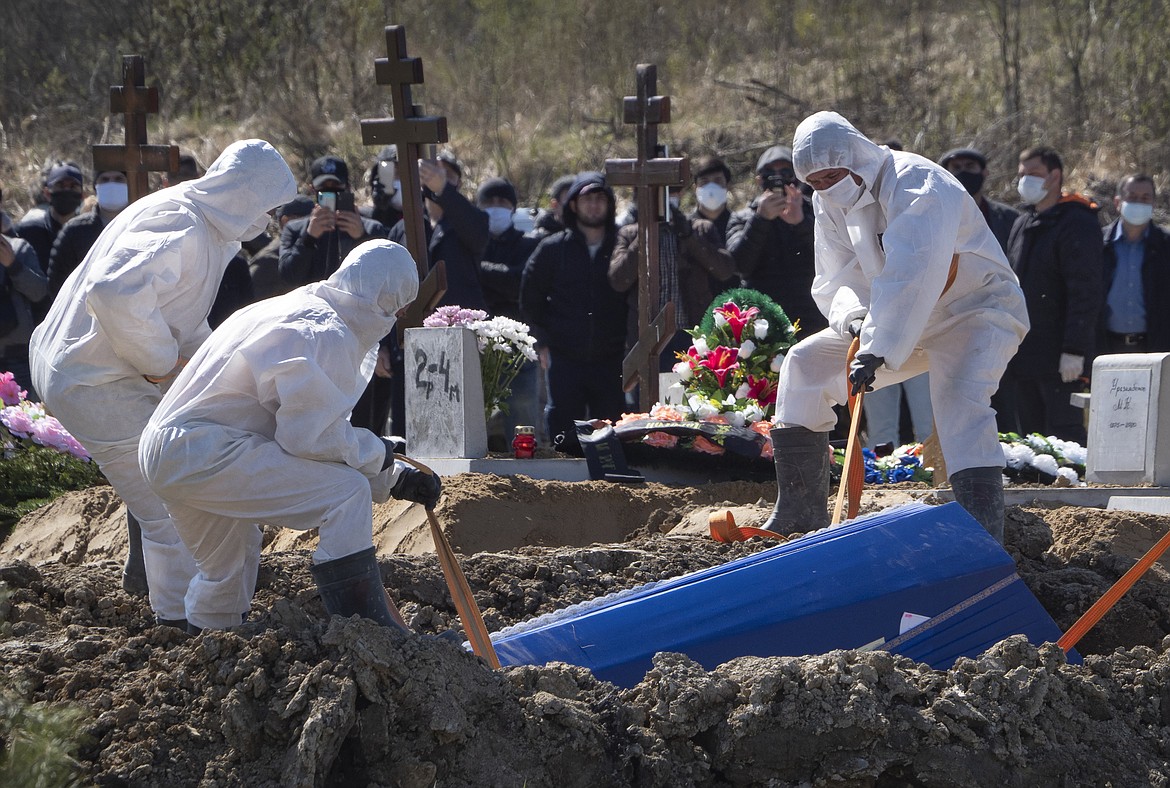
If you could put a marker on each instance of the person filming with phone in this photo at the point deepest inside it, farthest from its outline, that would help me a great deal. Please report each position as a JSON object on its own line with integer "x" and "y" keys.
{"x": 772, "y": 241}
{"x": 312, "y": 248}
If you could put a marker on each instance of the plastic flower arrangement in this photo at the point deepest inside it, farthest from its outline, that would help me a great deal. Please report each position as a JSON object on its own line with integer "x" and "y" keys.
{"x": 505, "y": 345}
{"x": 1048, "y": 460}
{"x": 903, "y": 465}
{"x": 733, "y": 364}
{"x": 23, "y": 422}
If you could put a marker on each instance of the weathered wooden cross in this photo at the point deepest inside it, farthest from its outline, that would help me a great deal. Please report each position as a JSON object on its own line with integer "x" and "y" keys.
{"x": 409, "y": 129}
{"x": 648, "y": 175}
{"x": 137, "y": 159}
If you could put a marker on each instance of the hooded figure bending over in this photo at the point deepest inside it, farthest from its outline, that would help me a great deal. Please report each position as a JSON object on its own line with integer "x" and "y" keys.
{"x": 255, "y": 429}
{"x": 905, "y": 262}
{"x": 128, "y": 318}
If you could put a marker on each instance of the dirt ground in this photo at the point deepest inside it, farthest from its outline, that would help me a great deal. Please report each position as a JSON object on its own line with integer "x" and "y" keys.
{"x": 293, "y": 699}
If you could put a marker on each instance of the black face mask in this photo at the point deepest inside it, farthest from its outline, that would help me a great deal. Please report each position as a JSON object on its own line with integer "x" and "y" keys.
{"x": 65, "y": 202}
{"x": 972, "y": 181}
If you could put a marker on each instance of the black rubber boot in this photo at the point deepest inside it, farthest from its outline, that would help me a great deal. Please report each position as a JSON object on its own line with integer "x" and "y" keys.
{"x": 134, "y": 572}
{"x": 980, "y": 492}
{"x": 353, "y": 585}
{"x": 802, "y": 480}
{"x": 177, "y": 623}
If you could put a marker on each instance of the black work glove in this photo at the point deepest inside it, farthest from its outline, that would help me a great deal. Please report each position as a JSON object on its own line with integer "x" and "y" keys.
{"x": 414, "y": 485}
{"x": 863, "y": 372}
{"x": 394, "y": 445}
{"x": 680, "y": 223}
{"x": 855, "y": 327}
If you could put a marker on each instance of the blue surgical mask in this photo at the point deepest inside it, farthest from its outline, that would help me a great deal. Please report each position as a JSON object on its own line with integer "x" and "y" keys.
{"x": 499, "y": 220}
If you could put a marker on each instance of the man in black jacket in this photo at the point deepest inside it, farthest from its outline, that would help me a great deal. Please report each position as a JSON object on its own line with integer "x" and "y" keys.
{"x": 311, "y": 249}
{"x": 579, "y": 321}
{"x": 1055, "y": 250}
{"x": 1136, "y": 317}
{"x": 772, "y": 242}
{"x": 970, "y": 167}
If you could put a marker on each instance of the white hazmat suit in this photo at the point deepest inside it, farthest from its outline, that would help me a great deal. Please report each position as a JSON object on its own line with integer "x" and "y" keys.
{"x": 887, "y": 258}
{"x": 136, "y": 307}
{"x": 255, "y": 428}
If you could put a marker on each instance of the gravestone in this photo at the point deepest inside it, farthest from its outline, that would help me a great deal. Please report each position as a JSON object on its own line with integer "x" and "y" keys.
{"x": 1129, "y": 420}
{"x": 444, "y": 394}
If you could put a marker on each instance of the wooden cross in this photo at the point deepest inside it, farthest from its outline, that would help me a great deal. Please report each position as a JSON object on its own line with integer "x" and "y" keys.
{"x": 647, "y": 174}
{"x": 409, "y": 129}
{"x": 137, "y": 159}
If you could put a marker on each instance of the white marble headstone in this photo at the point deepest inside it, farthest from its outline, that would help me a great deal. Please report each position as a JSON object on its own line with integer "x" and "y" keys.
{"x": 444, "y": 394}
{"x": 1129, "y": 420}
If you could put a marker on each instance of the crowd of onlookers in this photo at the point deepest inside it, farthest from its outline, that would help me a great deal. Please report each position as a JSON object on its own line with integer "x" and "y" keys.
{"x": 569, "y": 271}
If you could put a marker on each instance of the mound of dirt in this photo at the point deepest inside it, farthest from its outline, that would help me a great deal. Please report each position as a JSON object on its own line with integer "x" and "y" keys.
{"x": 293, "y": 699}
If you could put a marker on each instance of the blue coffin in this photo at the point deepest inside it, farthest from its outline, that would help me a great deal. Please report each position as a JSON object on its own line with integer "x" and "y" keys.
{"x": 837, "y": 589}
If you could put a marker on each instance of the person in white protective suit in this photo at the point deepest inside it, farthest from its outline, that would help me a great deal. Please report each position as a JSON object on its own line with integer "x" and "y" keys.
{"x": 905, "y": 262}
{"x": 255, "y": 430}
{"x": 130, "y": 315}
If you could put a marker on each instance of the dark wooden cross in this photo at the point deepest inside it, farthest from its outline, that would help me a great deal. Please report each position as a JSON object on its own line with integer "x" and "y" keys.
{"x": 409, "y": 129}
{"x": 648, "y": 175}
{"x": 137, "y": 159}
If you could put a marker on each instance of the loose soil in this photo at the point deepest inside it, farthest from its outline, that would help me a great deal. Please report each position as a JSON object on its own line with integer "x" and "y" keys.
{"x": 292, "y": 698}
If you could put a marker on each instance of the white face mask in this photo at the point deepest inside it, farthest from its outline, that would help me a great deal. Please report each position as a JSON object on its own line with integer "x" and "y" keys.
{"x": 1031, "y": 189}
{"x": 396, "y": 200}
{"x": 385, "y": 175}
{"x": 1137, "y": 213}
{"x": 112, "y": 196}
{"x": 842, "y": 194}
{"x": 711, "y": 196}
{"x": 499, "y": 219}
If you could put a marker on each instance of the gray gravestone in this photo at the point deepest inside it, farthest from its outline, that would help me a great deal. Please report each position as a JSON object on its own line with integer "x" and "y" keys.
{"x": 444, "y": 394}
{"x": 1129, "y": 420}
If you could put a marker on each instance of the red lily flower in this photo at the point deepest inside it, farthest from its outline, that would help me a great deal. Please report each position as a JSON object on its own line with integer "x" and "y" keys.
{"x": 736, "y": 319}
{"x": 762, "y": 390}
{"x": 722, "y": 361}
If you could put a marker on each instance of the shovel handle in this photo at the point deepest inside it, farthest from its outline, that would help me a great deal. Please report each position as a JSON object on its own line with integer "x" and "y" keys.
{"x": 465, "y": 606}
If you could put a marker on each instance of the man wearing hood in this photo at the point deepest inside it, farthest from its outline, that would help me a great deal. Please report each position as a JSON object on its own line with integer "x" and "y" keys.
{"x": 906, "y": 263}
{"x": 578, "y": 320}
{"x": 127, "y": 320}
{"x": 255, "y": 429}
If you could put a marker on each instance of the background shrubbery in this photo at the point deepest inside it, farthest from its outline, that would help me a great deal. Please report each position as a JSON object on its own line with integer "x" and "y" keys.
{"x": 532, "y": 88}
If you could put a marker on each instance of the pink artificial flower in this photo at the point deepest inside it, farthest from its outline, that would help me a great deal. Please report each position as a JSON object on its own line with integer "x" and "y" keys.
{"x": 10, "y": 392}
{"x": 453, "y": 316}
{"x": 666, "y": 413}
{"x": 718, "y": 418}
{"x": 662, "y": 440}
{"x": 705, "y": 446}
{"x": 17, "y": 420}
{"x": 629, "y": 418}
{"x": 722, "y": 361}
{"x": 736, "y": 319}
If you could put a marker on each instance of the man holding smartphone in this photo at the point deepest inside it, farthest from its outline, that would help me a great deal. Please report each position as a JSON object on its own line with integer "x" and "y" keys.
{"x": 312, "y": 248}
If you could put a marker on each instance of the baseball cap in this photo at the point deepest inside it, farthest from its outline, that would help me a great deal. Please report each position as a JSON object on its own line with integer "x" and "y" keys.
{"x": 328, "y": 168}
{"x": 774, "y": 153}
{"x": 62, "y": 172}
{"x": 963, "y": 153}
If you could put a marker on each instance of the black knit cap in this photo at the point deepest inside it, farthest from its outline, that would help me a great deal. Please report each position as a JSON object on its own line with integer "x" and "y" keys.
{"x": 963, "y": 153}
{"x": 497, "y": 187}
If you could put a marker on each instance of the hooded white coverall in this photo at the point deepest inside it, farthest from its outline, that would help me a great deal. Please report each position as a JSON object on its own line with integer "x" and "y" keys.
{"x": 887, "y": 258}
{"x": 255, "y": 428}
{"x": 136, "y": 306}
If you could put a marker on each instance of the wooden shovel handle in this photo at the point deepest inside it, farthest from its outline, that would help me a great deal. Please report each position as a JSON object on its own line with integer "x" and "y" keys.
{"x": 853, "y": 469}
{"x": 481, "y": 642}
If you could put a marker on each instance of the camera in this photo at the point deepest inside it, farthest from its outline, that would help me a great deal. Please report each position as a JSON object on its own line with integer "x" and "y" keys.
{"x": 328, "y": 199}
{"x": 345, "y": 201}
{"x": 776, "y": 180}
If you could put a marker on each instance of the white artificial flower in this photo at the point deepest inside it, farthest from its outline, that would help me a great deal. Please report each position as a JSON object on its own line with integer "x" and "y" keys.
{"x": 720, "y": 320}
{"x": 752, "y": 413}
{"x": 777, "y": 360}
{"x": 683, "y": 370}
{"x": 742, "y": 391}
{"x": 761, "y": 328}
{"x": 700, "y": 407}
{"x": 1045, "y": 463}
{"x": 730, "y": 401}
{"x": 747, "y": 348}
{"x": 701, "y": 346}
{"x": 735, "y": 418}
